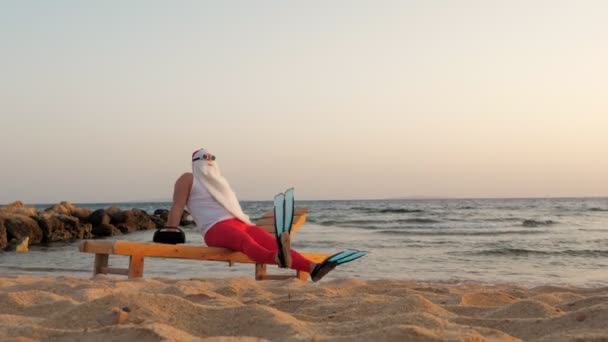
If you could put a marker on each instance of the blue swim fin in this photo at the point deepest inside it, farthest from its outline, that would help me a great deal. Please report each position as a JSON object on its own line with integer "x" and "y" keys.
{"x": 279, "y": 214}
{"x": 279, "y": 225}
{"x": 284, "y": 209}
{"x": 334, "y": 260}
{"x": 346, "y": 256}
{"x": 289, "y": 206}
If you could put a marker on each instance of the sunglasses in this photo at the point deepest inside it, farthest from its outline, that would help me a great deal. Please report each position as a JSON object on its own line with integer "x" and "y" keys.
{"x": 205, "y": 157}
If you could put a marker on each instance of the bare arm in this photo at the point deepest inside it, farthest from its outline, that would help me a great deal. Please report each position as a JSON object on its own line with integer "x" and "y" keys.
{"x": 180, "y": 198}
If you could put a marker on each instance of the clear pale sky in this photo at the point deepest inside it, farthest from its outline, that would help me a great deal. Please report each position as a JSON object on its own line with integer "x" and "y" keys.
{"x": 106, "y": 100}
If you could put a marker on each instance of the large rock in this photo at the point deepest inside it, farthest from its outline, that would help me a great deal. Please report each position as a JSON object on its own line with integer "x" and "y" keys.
{"x": 98, "y": 217}
{"x": 162, "y": 213}
{"x": 186, "y": 219}
{"x": 58, "y": 209}
{"x": 3, "y": 239}
{"x": 81, "y": 213}
{"x": 21, "y": 226}
{"x": 68, "y": 205}
{"x": 123, "y": 228}
{"x": 14, "y": 206}
{"x": 67, "y": 208}
{"x": 116, "y": 215}
{"x": 19, "y": 208}
{"x": 64, "y": 208}
{"x": 135, "y": 219}
{"x": 85, "y": 231}
{"x": 29, "y": 212}
{"x": 105, "y": 229}
{"x": 158, "y": 221}
{"x": 58, "y": 227}
{"x": 160, "y": 217}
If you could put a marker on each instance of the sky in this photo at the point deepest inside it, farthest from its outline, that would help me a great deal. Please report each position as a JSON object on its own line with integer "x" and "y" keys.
{"x": 104, "y": 101}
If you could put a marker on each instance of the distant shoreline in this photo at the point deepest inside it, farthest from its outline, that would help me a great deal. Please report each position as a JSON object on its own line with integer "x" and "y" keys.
{"x": 414, "y": 198}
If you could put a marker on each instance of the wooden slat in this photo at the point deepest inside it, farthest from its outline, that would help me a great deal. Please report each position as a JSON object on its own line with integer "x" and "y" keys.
{"x": 260, "y": 271}
{"x": 99, "y": 247}
{"x": 150, "y": 249}
{"x": 276, "y": 277}
{"x": 267, "y": 227}
{"x": 267, "y": 223}
{"x": 136, "y": 266}
{"x": 101, "y": 262}
{"x": 298, "y": 222}
{"x": 315, "y": 257}
{"x": 303, "y": 276}
{"x": 113, "y": 270}
{"x": 270, "y": 219}
{"x": 298, "y": 211}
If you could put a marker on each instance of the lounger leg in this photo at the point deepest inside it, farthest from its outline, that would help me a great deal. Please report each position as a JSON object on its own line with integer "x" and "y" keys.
{"x": 260, "y": 271}
{"x": 303, "y": 276}
{"x": 101, "y": 261}
{"x": 136, "y": 266}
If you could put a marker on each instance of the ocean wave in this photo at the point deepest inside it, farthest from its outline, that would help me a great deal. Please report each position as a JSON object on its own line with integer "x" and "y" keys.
{"x": 345, "y": 223}
{"x": 388, "y": 210}
{"x": 400, "y": 211}
{"x": 365, "y": 224}
{"x": 526, "y": 252}
{"x": 416, "y": 220}
{"x": 313, "y": 244}
{"x": 461, "y": 233}
{"x": 597, "y": 209}
{"x": 502, "y": 219}
{"x": 534, "y": 223}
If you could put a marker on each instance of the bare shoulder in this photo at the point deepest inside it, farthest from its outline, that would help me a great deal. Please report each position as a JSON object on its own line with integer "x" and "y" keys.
{"x": 184, "y": 180}
{"x": 182, "y": 189}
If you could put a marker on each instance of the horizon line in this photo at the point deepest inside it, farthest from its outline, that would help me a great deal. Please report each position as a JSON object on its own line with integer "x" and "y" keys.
{"x": 414, "y": 198}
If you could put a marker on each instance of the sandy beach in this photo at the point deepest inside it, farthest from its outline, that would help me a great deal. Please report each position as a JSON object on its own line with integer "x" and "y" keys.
{"x": 102, "y": 308}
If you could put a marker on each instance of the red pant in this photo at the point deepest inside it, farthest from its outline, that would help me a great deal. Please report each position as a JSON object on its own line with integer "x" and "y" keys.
{"x": 255, "y": 242}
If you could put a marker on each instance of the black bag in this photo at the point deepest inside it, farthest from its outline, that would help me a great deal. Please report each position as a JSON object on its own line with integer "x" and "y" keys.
{"x": 169, "y": 235}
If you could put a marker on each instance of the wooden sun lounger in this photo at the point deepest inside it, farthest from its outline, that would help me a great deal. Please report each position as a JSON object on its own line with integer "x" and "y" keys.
{"x": 137, "y": 251}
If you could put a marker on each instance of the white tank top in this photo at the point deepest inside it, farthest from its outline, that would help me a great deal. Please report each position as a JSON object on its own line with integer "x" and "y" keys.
{"x": 205, "y": 210}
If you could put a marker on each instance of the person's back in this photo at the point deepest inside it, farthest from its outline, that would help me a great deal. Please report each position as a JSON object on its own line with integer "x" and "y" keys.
{"x": 205, "y": 210}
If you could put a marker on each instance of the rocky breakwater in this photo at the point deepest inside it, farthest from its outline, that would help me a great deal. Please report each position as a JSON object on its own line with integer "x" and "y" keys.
{"x": 65, "y": 222}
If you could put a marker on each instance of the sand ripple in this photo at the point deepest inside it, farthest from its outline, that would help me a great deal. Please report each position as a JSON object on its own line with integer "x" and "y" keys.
{"x": 104, "y": 308}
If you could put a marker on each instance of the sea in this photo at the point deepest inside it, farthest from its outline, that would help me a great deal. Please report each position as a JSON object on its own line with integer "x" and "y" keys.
{"x": 527, "y": 242}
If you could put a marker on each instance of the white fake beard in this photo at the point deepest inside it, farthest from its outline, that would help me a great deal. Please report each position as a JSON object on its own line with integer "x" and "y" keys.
{"x": 209, "y": 175}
